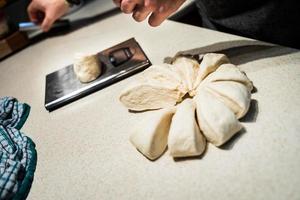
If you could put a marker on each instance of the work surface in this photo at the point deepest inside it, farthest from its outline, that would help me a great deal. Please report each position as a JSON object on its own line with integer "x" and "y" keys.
{"x": 83, "y": 148}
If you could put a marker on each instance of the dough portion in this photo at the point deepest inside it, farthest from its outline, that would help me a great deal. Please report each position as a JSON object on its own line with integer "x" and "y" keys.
{"x": 151, "y": 134}
{"x": 158, "y": 87}
{"x": 86, "y": 67}
{"x": 209, "y": 64}
{"x": 217, "y": 122}
{"x": 164, "y": 74}
{"x": 221, "y": 94}
{"x": 149, "y": 96}
{"x": 234, "y": 94}
{"x": 229, "y": 72}
{"x": 185, "y": 138}
{"x": 188, "y": 69}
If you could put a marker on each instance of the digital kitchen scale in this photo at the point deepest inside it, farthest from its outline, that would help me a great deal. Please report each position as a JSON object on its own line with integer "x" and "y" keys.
{"x": 118, "y": 62}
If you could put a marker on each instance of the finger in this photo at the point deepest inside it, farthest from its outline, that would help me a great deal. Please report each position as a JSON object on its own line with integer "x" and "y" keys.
{"x": 33, "y": 11}
{"x": 48, "y": 21}
{"x": 140, "y": 16}
{"x": 141, "y": 13}
{"x": 163, "y": 12}
{"x": 157, "y": 17}
{"x": 127, "y": 6}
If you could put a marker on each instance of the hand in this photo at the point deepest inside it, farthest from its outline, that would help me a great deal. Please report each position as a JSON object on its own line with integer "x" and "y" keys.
{"x": 45, "y": 12}
{"x": 159, "y": 10}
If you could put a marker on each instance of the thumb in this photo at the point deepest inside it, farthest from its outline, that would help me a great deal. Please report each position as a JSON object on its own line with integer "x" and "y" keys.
{"x": 48, "y": 21}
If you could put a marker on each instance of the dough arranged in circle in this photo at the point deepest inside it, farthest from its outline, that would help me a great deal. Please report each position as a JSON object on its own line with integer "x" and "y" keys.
{"x": 209, "y": 98}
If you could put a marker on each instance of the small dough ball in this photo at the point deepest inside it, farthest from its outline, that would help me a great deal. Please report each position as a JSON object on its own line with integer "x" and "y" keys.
{"x": 86, "y": 67}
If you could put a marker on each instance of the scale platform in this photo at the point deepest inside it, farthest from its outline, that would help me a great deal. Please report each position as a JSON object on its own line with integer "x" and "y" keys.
{"x": 118, "y": 62}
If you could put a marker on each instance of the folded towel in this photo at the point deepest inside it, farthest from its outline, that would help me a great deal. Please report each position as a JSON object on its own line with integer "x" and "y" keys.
{"x": 18, "y": 156}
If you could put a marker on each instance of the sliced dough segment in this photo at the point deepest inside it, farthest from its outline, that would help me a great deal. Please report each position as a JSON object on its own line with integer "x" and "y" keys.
{"x": 210, "y": 62}
{"x": 148, "y": 96}
{"x": 235, "y": 95}
{"x": 151, "y": 134}
{"x": 229, "y": 72}
{"x": 217, "y": 122}
{"x": 185, "y": 138}
{"x": 188, "y": 69}
{"x": 165, "y": 74}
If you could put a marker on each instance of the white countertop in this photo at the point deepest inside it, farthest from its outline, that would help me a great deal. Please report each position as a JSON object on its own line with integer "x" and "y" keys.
{"x": 83, "y": 148}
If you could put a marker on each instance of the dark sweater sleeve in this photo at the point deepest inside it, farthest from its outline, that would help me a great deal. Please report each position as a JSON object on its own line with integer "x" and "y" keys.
{"x": 275, "y": 21}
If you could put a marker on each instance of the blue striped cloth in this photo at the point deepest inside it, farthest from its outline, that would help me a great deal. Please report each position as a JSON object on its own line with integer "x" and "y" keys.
{"x": 18, "y": 156}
